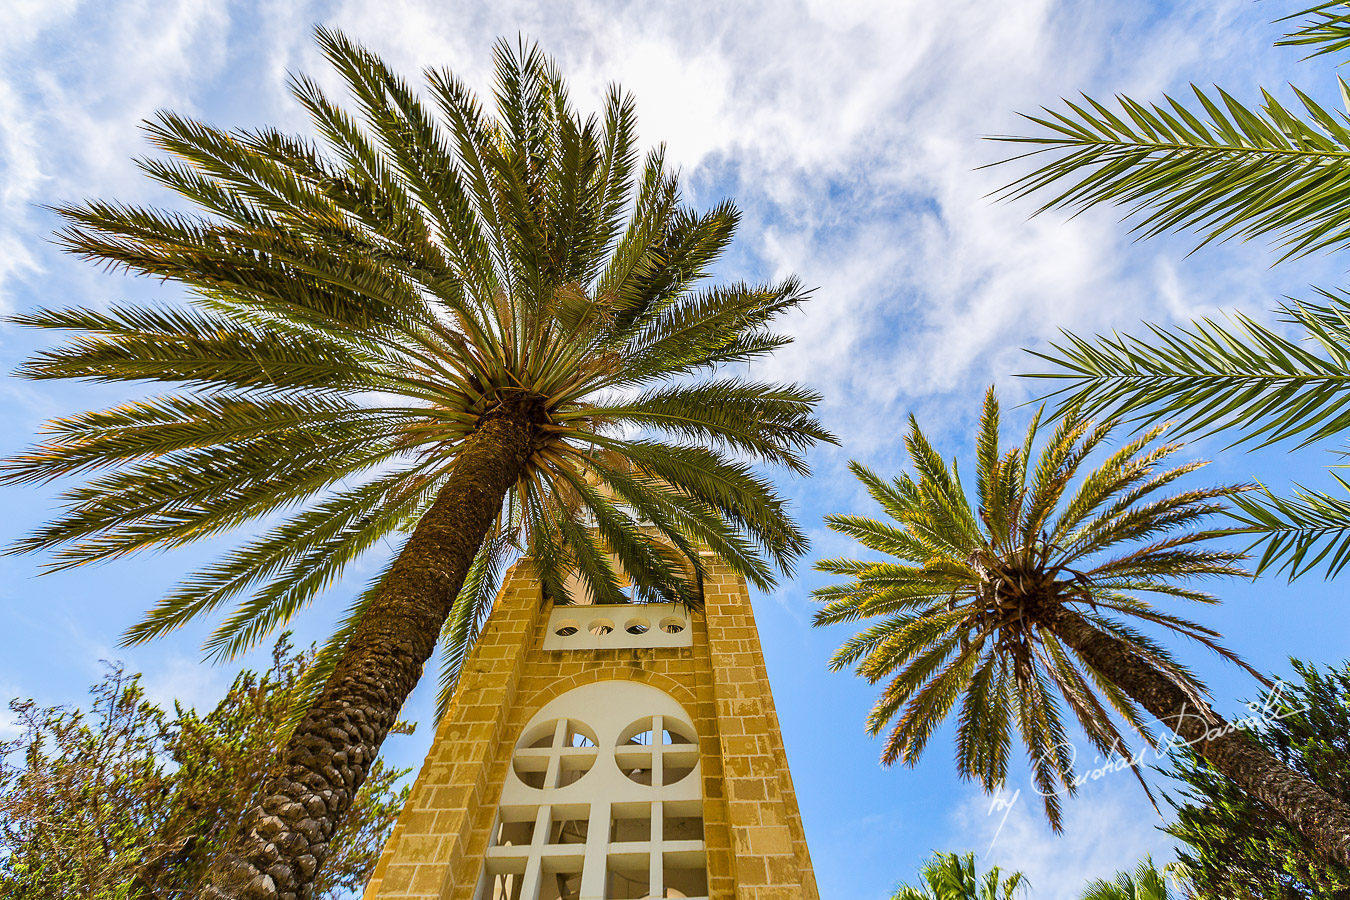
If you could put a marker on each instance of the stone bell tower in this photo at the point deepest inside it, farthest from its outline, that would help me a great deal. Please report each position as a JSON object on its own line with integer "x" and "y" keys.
{"x": 605, "y": 752}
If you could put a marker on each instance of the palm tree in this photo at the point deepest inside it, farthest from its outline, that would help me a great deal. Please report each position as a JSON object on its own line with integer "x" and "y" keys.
{"x": 1145, "y": 883}
{"x": 470, "y": 335}
{"x": 950, "y": 877}
{"x": 1221, "y": 169}
{"x": 1032, "y": 597}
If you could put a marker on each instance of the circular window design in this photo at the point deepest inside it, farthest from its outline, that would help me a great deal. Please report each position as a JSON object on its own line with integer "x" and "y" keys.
{"x": 566, "y": 628}
{"x": 608, "y": 828}
{"x": 601, "y": 627}
{"x": 672, "y": 625}
{"x": 637, "y": 626}
{"x": 657, "y": 751}
{"x": 554, "y": 754}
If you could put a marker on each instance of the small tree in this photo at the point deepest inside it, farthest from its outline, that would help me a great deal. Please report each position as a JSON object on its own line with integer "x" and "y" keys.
{"x": 1238, "y": 846}
{"x": 131, "y": 802}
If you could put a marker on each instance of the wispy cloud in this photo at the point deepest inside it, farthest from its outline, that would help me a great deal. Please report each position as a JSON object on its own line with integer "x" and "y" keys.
{"x": 848, "y": 132}
{"x": 185, "y": 680}
{"x": 1107, "y": 827}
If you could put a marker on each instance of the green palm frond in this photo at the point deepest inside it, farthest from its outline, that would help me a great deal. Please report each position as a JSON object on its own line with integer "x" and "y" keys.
{"x": 1145, "y": 883}
{"x": 1298, "y": 533}
{"x": 362, "y": 302}
{"x": 947, "y": 876}
{"x": 1245, "y": 380}
{"x": 1215, "y": 377}
{"x": 680, "y": 410}
{"x": 332, "y": 533}
{"x": 958, "y": 614}
{"x": 1221, "y": 169}
{"x": 470, "y": 611}
{"x": 1325, "y": 29}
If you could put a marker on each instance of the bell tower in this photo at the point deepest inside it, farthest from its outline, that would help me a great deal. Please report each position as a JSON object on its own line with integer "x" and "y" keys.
{"x": 605, "y": 752}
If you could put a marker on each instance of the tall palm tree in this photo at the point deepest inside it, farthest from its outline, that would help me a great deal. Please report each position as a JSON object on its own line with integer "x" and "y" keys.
{"x": 467, "y": 334}
{"x": 1031, "y": 597}
{"x": 1144, "y": 883}
{"x": 1221, "y": 169}
{"x": 950, "y": 877}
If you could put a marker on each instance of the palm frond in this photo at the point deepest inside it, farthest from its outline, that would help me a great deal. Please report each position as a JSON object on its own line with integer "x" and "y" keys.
{"x": 984, "y": 724}
{"x": 1325, "y": 29}
{"x": 469, "y": 612}
{"x": 1221, "y": 169}
{"x": 1296, "y": 534}
{"x": 1213, "y": 377}
{"x": 360, "y": 304}
{"x": 342, "y": 526}
{"x": 772, "y": 423}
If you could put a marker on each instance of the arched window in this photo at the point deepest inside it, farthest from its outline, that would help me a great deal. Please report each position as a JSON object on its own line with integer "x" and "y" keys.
{"x": 604, "y": 799}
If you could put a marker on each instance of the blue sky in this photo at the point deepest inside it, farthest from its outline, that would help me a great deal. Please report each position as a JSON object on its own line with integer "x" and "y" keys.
{"x": 849, "y": 133}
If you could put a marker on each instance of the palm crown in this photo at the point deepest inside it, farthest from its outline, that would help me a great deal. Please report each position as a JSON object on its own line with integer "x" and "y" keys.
{"x": 359, "y": 308}
{"x": 1146, "y": 882}
{"x": 950, "y": 877}
{"x": 968, "y": 611}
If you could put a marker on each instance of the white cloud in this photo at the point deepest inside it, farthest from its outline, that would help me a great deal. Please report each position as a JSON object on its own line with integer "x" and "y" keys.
{"x": 847, "y": 131}
{"x": 71, "y": 105}
{"x": 187, "y": 681}
{"x": 1107, "y": 827}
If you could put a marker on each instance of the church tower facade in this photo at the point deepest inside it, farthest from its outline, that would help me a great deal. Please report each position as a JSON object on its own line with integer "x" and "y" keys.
{"x": 605, "y": 752}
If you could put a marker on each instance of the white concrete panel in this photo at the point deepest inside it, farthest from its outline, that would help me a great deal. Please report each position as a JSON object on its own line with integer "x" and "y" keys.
{"x": 593, "y": 757}
{"x": 617, "y": 626}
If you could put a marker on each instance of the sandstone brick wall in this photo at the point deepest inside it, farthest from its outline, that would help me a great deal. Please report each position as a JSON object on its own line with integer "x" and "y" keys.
{"x": 756, "y": 848}
{"x": 768, "y": 842}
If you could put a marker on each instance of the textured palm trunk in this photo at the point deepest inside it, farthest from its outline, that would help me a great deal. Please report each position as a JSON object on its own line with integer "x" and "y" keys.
{"x": 284, "y": 841}
{"x": 1320, "y": 818}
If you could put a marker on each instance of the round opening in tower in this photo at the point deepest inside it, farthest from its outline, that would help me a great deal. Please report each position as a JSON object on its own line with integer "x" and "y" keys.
{"x": 657, "y": 754}
{"x": 554, "y": 754}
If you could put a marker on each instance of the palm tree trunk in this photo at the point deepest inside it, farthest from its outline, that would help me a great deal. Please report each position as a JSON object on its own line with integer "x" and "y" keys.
{"x": 285, "y": 838}
{"x": 1319, "y": 817}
